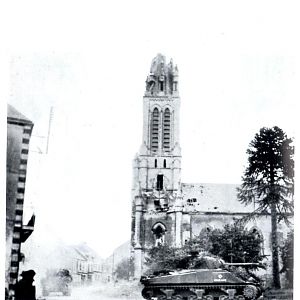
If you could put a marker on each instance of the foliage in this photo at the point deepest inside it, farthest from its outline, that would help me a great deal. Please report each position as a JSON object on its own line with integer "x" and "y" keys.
{"x": 165, "y": 258}
{"x": 210, "y": 249}
{"x": 287, "y": 257}
{"x": 123, "y": 269}
{"x": 269, "y": 177}
{"x": 236, "y": 244}
{"x": 268, "y": 182}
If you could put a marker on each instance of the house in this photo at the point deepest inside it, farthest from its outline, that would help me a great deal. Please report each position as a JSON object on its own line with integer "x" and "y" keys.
{"x": 19, "y": 130}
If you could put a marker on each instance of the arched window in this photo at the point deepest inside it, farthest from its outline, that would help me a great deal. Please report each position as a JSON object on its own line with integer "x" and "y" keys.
{"x": 206, "y": 230}
{"x": 159, "y": 231}
{"x": 154, "y": 130}
{"x": 166, "y": 129}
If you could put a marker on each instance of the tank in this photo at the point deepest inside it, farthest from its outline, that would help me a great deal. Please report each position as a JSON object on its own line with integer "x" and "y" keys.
{"x": 203, "y": 283}
{"x": 57, "y": 281}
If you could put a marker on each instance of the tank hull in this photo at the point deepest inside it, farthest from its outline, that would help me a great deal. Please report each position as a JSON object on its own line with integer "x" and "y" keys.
{"x": 57, "y": 282}
{"x": 199, "y": 284}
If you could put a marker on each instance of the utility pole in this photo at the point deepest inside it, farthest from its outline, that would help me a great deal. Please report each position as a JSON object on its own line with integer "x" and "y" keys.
{"x": 49, "y": 128}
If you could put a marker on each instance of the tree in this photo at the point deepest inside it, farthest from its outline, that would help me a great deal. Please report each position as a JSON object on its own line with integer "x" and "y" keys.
{"x": 236, "y": 244}
{"x": 232, "y": 243}
{"x": 268, "y": 182}
{"x": 287, "y": 257}
{"x": 123, "y": 269}
{"x": 164, "y": 258}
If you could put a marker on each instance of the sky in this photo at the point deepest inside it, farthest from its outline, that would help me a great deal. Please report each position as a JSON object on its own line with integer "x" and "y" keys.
{"x": 89, "y": 60}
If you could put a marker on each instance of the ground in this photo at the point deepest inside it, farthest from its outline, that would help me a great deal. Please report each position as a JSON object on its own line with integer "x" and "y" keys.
{"x": 129, "y": 291}
{"x": 113, "y": 291}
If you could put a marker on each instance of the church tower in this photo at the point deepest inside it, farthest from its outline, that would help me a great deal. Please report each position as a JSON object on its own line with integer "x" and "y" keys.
{"x": 157, "y": 201}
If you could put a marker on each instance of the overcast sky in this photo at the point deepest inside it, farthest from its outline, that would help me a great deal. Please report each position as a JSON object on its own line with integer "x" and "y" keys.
{"x": 89, "y": 61}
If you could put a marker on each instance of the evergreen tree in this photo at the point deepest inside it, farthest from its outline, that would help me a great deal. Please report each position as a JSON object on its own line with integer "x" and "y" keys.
{"x": 268, "y": 182}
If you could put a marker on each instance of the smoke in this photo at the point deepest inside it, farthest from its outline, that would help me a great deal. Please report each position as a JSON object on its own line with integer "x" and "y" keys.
{"x": 43, "y": 251}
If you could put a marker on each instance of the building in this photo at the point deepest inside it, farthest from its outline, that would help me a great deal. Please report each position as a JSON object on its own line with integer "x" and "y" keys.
{"x": 83, "y": 263}
{"x": 19, "y": 130}
{"x": 112, "y": 262}
{"x": 165, "y": 210}
{"x": 89, "y": 266}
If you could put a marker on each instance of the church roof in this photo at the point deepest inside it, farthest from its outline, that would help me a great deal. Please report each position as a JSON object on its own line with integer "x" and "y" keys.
{"x": 213, "y": 198}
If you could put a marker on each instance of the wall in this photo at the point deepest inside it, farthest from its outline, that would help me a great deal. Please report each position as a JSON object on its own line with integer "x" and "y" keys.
{"x": 18, "y": 136}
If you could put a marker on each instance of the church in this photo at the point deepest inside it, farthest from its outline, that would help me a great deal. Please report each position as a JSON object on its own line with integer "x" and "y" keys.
{"x": 164, "y": 209}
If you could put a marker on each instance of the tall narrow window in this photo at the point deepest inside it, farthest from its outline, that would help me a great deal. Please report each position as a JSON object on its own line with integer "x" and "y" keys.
{"x": 154, "y": 130}
{"x": 174, "y": 86}
{"x": 160, "y": 182}
{"x": 258, "y": 236}
{"x": 161, "y": 85}
{"x": 166, "y": 129}
{"x": 155, "y": 163}
{"x": 165, "y": 163}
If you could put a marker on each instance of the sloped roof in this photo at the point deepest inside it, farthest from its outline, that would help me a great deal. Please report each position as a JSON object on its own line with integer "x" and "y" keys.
{"x": 62, "y": 251}
{"x": 85, "y": 251}
{"x": 213, "y": 198}
{"x": 120, "y": 253}
{"x": 16, "y": 116}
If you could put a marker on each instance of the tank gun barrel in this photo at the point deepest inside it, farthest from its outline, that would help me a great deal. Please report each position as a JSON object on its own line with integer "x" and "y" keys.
{"x": 245, "y": 265}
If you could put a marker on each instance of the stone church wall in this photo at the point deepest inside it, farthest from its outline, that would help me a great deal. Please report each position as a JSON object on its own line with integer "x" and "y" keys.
{"x": 203, "y": 221}
{"x": 151, "y": 220}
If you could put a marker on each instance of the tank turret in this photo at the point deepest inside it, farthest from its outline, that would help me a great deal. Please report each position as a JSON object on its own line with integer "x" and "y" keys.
{"x": 57, "y": 281}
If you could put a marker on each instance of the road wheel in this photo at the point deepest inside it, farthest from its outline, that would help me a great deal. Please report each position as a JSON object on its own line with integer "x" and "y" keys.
{"x": 250, "y": 291}
{"x": 177, "y": 297}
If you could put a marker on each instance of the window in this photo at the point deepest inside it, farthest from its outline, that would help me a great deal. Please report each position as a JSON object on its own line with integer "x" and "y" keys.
{"x": 174, "y": 86}
{"x": 156, "y": 202}
{"x": 258, "y": 235}
{"x": 160, "y": 182}
{"x": 165, "y": 163}
{"x": 191, "y": 201}
{"x": 154, "y": 130}
{"x": 166, "y": 129}
{"x": 155, "y": 163}
{"x": 161, "y": 85}
{"x": 205, "y": 232}
{"x": 159, "y": 231}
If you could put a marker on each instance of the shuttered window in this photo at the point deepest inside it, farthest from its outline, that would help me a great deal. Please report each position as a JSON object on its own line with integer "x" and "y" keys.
{"x": 154, "y": 129}
{"x": 166, "y": 129}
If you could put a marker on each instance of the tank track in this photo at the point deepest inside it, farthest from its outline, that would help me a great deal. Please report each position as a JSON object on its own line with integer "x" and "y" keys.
{"x": 201, "y": 292}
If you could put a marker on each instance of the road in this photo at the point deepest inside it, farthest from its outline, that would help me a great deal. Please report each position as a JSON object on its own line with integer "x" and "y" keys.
{"x": 107, "y": 292}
